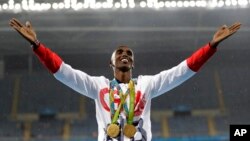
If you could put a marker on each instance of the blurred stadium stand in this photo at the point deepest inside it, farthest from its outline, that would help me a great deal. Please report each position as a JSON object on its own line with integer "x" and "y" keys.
{"x": 188, "y": 126}
{"x": 11, "y": 129}
{"x": 6, "y": 90}
{"x": 47, "y": 128}
{"x": 35, "y": 89}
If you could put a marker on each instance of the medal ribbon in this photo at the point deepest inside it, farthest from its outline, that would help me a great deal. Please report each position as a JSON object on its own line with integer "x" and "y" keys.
{"x": 123, "y": 97}
{"x": 132, "y": 102}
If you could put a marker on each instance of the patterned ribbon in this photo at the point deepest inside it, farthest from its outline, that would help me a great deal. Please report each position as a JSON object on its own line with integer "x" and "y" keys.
{"x": 123, "y": 96}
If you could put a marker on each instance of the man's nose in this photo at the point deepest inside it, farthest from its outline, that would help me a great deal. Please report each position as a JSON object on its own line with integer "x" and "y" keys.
{"x": 124, "y": 54}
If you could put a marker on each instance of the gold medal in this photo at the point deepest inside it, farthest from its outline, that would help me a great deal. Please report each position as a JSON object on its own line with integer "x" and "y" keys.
{"x": 129, "y": 130}
{"x": 113, "y": 130}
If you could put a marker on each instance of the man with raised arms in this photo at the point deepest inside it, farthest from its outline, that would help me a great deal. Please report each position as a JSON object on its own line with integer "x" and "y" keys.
{"x": 123, "y": 104}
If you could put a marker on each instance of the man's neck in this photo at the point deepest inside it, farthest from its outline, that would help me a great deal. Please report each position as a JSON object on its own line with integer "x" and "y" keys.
{"x": 123, "y": 77}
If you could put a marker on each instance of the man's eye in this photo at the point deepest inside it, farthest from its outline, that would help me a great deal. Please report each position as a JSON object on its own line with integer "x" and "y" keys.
{"x": 119, "y": 51}
{"x": 129, "y": 53}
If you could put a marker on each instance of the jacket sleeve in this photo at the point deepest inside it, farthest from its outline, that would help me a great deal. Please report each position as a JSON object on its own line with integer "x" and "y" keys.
{"x": 200, "y": 57}
{"x": 48, "y": 58}
{"x": 169, "y": 79}
{"x": 75, "y": 79}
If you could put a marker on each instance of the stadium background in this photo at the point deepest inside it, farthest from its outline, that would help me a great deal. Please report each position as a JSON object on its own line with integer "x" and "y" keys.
{"x": 36, "y": 107}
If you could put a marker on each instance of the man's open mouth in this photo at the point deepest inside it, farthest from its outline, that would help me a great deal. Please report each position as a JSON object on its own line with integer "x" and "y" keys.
{"x": 124, "y": 60}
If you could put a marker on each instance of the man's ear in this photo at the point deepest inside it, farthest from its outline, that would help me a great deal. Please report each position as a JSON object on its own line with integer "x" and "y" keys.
{"x": 111, "y": 64}
{"x": 133, "y": 63}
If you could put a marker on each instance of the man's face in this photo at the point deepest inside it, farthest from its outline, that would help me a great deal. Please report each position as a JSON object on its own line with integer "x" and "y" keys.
{"x": 123, "y": 58}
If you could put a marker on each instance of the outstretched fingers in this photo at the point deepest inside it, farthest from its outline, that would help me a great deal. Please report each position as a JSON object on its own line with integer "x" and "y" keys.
{"x": 13, "y": 25}
{"x": 234, "y": 28}
{"x": 15, "y": 22}
{"x": 235, "y": 25}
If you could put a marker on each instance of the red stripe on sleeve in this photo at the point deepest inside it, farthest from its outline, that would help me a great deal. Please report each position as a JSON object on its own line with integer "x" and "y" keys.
{"x": 200, "y": 57}
{"x": 48, "y": 58}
